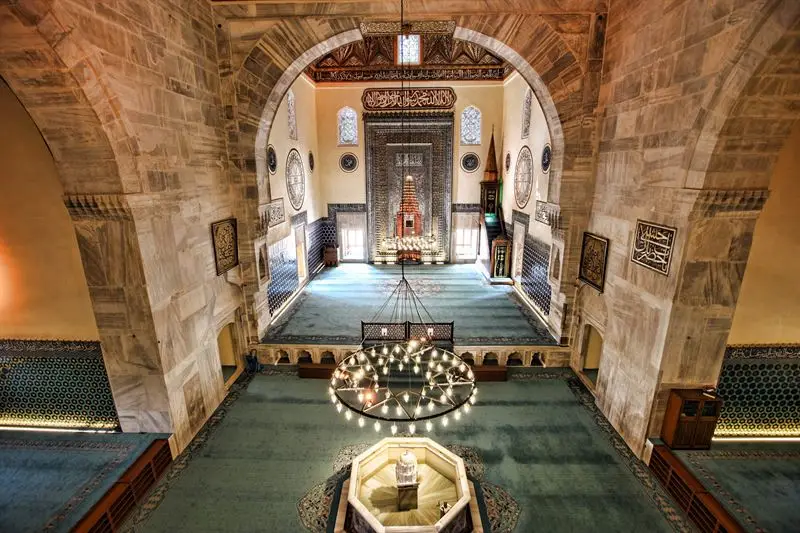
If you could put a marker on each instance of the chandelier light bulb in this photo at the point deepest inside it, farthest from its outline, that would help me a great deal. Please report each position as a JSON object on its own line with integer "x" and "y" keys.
{"x": 472, "y": 400}
{"x": 361, "y": 421}
{"x": 368, "y": 367}
{"x": 385, "y": 370}
{"x": 430, "y": 406}
{"x": 457, "y": 415}
{"x": 445, "y": 357}
{"x": 406, "y": 397}
{"x": 428, "y": 375}
{"x": 418, "y": 359}
{"x": 338, "y": 408}
{"x": 331, "y": 391}
{"x": 398, "y": 410}
{"x": 377, "y": 426}
{"x": 361, "y": 397}
{"x": 470, "y": 375}
{"x": 439, "y": 368}
{"x": 348, "y": 415}
{"x": 361, "y": 356}
{"x": 416, "y": 369}
{"x": 380, "y": 361}
{"x": 418, "y": 410}
{"x": 443, "y": 398}
{"x": 466, "y": 408}
{"x": 396, "y": 348}
{"x": 423, "y": 392}
{"x": 435, "y": 353}
{"x": 445, "y": 421}
{"x": 373, "y": 351}
{"x": 394, "y": 429}
{"x": 462, "y": 367}
{"x": 412, "y": 428}
{"x": 333, "y": 399}
{"x": 385, "y": 350}
{"x": 405, "y": 358}
{"x": 429, "y": 426}
{"x": 400, "y": 367}
{"x": 385, "y": 409}
{"x": 449, "y": 391}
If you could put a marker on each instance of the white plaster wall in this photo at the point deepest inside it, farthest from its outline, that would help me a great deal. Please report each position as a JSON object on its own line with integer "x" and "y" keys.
{"x": 514, "y": 89}
{"x": 343, "y": 187}
{"x": 306, "y": 112}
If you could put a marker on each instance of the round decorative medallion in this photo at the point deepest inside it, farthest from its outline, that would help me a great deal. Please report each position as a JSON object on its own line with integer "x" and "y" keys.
{"x": 272, "y": 159}
{"x": 508, "y": 160}
{"x": 295, "y": 179}
{"x": 470, "y": 162}
{"x": 523, "y": 177}
{"x": 311, "y": 161}
{"x": 348, "y": 162}
{"x": 547, "y": 154}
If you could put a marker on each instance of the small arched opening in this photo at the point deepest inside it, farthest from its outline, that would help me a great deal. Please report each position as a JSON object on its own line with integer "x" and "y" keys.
{"x": 283, "y": 357}
{"x": 227, "y": 352}
{"x": 468, "y": 358}
{"x": 591, "y": 353}
{"x": 328, "y": 358}
{"x": 514, "y": 359}
{"x": 305, "y": 357}
{"x": 490, "y": 359}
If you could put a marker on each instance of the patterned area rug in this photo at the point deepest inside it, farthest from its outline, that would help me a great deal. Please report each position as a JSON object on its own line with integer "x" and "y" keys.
{"x": 762, "y": 479}
{"x": 316, "y": 506}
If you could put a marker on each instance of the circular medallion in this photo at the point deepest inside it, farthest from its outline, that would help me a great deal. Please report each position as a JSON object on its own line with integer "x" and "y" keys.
{"x": 348, "y": 162}
{"x": 295, "y": 179}
{"x": 523, "y": 177}
{"x": 272, "y": 159}
{"x": 470, "y": 162}
{"x": 508, "y": 160}
{"x": 547, "y": 154}
{"x": 311, "y": 161}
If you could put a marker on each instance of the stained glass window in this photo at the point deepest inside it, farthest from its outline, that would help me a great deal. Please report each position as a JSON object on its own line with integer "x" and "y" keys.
{"x": 348, "y": 126}
{"x": 526, "y": 113}
{"x": 408, "y": 50}
{"x": 471, "y": 125}
{"x": 292, "y": 115}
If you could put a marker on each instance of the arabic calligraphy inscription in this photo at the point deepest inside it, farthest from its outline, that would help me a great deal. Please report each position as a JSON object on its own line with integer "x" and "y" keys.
{"x": 429, "y": 98}
{"x": 652, "y": 246}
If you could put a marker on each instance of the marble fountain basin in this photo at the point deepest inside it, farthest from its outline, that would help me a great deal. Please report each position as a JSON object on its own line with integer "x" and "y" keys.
{"x": 372, "y": 492}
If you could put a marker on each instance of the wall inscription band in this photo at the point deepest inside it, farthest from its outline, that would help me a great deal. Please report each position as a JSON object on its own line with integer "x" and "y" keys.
{"x": 652, "y": 246}
{"x": 429, "y": 98}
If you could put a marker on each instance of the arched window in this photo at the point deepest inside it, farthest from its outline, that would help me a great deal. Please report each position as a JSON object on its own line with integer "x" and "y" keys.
{"x": 526, "y": 113}
{"x": 292, "y": 115}
{"x": 348, "y": 126}
{"x": 471, "y": 125}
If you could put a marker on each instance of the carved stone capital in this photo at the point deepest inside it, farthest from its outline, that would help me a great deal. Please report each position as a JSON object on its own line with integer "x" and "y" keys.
{"x": 102, "y": 206}
{"x": 734, "y": 203}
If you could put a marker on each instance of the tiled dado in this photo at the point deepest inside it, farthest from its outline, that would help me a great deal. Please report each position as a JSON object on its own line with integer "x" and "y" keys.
{"x": 535, "y": 262}
{"x": 55, "y": 384}
{"x": 284, "y": 279}
{"x": 760, "y": 389}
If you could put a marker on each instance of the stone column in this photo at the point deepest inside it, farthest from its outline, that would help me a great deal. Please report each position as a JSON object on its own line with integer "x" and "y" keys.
{"x": 719, "y": 236}
{"x": 112, "y": 263}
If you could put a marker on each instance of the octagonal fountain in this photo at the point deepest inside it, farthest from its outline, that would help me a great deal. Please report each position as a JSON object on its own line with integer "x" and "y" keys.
{"x": 408, "y": 485}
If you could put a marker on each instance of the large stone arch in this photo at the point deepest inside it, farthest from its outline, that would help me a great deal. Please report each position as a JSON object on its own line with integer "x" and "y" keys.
{"x": 752, "y": 111}
{"x": 545, "y": 61}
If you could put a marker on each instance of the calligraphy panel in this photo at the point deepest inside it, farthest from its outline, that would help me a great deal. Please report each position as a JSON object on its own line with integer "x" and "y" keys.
{"x": 225, "y": 244}
{"x": 652, "y": 246}
{"x": 276, "y": 212}
{"x": 594, "y": 257}
{"x": 427, "y": 98}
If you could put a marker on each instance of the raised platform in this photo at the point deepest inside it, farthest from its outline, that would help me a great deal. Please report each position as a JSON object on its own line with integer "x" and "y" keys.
{"x": 331, "y": 306}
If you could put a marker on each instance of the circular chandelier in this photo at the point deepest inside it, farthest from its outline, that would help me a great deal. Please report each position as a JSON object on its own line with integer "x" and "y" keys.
{"x": 403, "y": 386}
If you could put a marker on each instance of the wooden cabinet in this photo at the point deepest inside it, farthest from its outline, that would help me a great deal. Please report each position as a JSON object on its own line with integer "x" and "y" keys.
{"x": 690, "y": 419}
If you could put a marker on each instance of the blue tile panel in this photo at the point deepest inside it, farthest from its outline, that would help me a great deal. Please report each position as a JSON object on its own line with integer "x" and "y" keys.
{"x": 760, "y": 390}
{"x": 535, "y": 261}
{"x": 60, "y": 384}
{"x": 283, "y": 273}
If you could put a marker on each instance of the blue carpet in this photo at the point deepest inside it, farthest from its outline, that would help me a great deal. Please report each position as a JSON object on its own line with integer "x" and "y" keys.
{"x": 545, "y": 445}
{"x": 758, "y": 483}
{"x": 50, "y": 480}
{"x": 332, "y": 306}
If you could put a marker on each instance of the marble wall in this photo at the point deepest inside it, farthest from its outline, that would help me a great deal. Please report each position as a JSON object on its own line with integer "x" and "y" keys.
{"x": 130, "y": 109}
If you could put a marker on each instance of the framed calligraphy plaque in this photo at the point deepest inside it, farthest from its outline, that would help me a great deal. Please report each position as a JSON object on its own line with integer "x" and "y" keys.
{"x": 226, "y": 246}
{"x": 594, "y": 258}
{"x": 276, "y": 212}
{"x": 420, "y": 98}
{"x": 652, "y": 246}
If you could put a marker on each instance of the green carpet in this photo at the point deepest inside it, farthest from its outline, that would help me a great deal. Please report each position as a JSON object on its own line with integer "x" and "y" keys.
{"x": 50, "y": 480}
{"x": 331, "y": 307}
{"x": 758, "y": 483}
{"x": 538, "y": 440}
